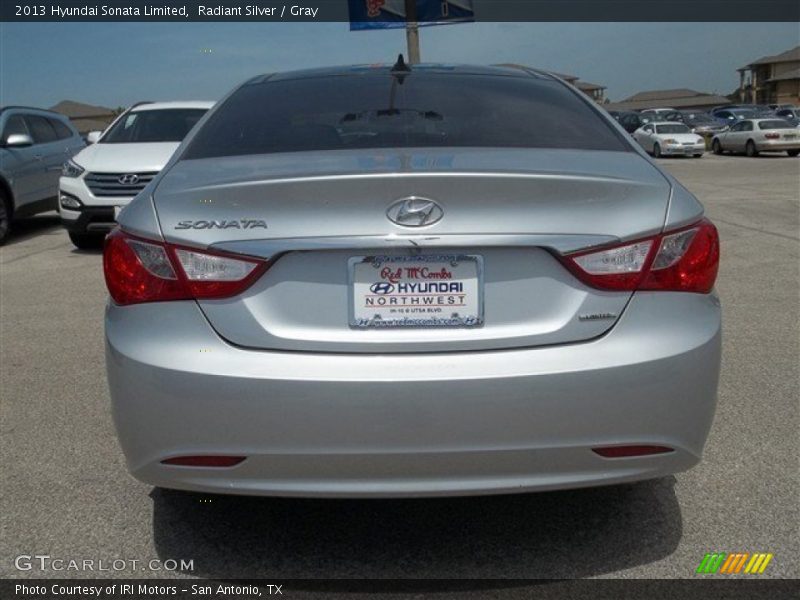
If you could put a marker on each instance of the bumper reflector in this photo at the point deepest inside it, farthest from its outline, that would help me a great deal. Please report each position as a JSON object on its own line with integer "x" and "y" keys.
{"x": 204, "y": 461}
{"x": 628, "y": 451}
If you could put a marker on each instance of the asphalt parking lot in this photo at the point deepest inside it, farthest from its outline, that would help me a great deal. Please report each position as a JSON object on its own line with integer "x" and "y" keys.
{"x": 66, "y": 493}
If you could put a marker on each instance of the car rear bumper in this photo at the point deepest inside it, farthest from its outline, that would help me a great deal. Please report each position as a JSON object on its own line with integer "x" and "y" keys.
{"x": 778, "y": 146}
{"x": 415, "y": 424}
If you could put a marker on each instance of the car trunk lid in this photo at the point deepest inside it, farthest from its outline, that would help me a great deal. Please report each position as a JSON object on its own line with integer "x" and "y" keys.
{"x": 508, "y": 213}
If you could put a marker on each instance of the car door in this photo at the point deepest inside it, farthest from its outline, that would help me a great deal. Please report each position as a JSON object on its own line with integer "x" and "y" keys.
{"x": 19, "y": 164}
{"x": 731, "y": 139}
{"x": 645, "y": 137}
{"x": 48, "y": 152}
{"x": 745, "y": 133}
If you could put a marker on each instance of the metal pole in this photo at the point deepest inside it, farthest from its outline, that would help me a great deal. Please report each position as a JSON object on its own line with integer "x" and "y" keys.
{"x": 412, "y": 32}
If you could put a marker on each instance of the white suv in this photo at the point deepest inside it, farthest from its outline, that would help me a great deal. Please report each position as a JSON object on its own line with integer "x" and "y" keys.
{"x": 98, "y": 181}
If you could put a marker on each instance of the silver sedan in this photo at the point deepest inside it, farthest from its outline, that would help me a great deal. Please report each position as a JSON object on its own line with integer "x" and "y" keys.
{"x": 670, "y": 139}
{"x": 353, "y": 282}
{"x": 753, "y": 136}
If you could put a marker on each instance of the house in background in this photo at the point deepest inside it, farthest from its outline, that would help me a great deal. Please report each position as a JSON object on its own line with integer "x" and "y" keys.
{"x": 595, "y": 91}
{"x": 681, "y": 99}
{"x": 85, "y": 117}
{"x": 771, "y": 79}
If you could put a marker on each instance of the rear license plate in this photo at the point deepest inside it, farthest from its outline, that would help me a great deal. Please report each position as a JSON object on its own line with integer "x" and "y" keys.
{"x": 443, "y": 290}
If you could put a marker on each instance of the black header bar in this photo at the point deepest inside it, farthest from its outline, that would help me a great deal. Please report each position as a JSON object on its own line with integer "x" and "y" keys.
{"x": 337, "y": 10}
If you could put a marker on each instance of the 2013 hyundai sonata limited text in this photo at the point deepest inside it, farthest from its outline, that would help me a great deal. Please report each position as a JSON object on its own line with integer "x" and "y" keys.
{"x": 407, "y": 281}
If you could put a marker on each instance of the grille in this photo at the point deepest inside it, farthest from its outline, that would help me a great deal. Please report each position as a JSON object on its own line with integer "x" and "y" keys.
{"x": 108, "y": 184}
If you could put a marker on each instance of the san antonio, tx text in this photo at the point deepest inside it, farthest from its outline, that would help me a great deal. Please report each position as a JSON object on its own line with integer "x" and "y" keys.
{"x": 117, "y": 590}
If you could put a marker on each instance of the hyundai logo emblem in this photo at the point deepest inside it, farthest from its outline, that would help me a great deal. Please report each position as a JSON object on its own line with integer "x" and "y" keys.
{"x": 382, "y": 287}
{"x": 415, "y": 212}
{"x": 129, "y": 179}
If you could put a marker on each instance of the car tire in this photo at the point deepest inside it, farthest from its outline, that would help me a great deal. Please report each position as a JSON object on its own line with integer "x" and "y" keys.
{"x": 793, "y": 152}
{"x": 716, "y": 147}
{"x": 87, "y": 241}
{"x": 697, "y": 156}
{"x": 750, "y": 149}
{"x": 5, "y": 217}
{"x": 656, "y": 151}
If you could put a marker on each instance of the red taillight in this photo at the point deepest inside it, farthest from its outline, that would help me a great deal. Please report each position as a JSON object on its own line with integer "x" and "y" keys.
{"x": 139, "y": 270}
{"x": 204, "y": 461}
{"x": 685, "y": 260}
{"x": 772, "y": 136}
{"x": 631, "y": 450}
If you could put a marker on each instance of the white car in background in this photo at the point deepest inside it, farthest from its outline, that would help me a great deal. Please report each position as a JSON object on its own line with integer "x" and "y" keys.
{"x": 669, "y": 139}
{"x": 752, "y": 136}
{"x": 104, "y": 177}
{"x": 657, "y": 113}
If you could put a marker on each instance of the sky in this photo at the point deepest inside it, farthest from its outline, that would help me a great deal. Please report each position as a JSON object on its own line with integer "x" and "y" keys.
{"x": 116, "y": 64}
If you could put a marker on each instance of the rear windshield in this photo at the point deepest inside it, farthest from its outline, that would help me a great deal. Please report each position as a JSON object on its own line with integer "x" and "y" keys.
{"x": 163, "y": 125}
{"x": 382, "y": 111}
{"x": 672, "y": 128}
{"x": 777, "y": 124}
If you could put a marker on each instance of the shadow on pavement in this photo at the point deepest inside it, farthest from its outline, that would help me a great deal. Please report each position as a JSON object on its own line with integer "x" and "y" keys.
{"x": 566, "y": 534}
{"x": 28, "y": 227}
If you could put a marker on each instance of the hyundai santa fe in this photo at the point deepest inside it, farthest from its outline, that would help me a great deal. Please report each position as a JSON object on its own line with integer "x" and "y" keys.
{"x": 408, "y": 281}
{"x": 101, "y": 179}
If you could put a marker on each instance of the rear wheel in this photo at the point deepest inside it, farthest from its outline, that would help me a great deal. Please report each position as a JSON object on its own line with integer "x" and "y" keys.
{"x": 793, "y": 152}
{"x": 87, "y": 241}
{"x": 697, "y": 156}
{"x": 716, "y": 147}
{"x": 657, "y": 151}
{"x": 5, "y": 217}
{"x": 750, "y": 149}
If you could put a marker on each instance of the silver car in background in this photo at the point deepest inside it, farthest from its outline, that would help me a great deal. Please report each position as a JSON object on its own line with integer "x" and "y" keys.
{"x": 753, "y": 136}
{"x": 394, "y": 281}
{"x": 34, "y": 145}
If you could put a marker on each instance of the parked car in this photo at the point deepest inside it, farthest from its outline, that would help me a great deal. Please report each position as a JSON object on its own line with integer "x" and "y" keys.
{"x": 702, "y": 123}
{"x": 658, "y": 113}
{"x": 752, "y": 136}
{"x": 33, "y": 145}
{"x": 729, "y": 116}
{"x": 790, "y": 114}
{"x": 102, "y": 179}
{"x": 670, "y": 139}
{"x": 431, "y": 301}
{"x": 759, "y": 109}
{"x": 631, "y": 121}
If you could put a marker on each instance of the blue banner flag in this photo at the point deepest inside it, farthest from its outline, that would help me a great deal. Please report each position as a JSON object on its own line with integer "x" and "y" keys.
{"x": 389, "y": 14}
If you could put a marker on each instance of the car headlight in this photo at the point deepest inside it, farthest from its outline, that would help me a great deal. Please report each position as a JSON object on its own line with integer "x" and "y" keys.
{"x": 670, "y": 141}
{"x": 72, "y": 169}
{"x": 700, "y": 141}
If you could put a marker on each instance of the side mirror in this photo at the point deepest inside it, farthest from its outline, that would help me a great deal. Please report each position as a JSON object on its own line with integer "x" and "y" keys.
{"x": 93, "y": 136}
{"x": 18, "y": 140}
